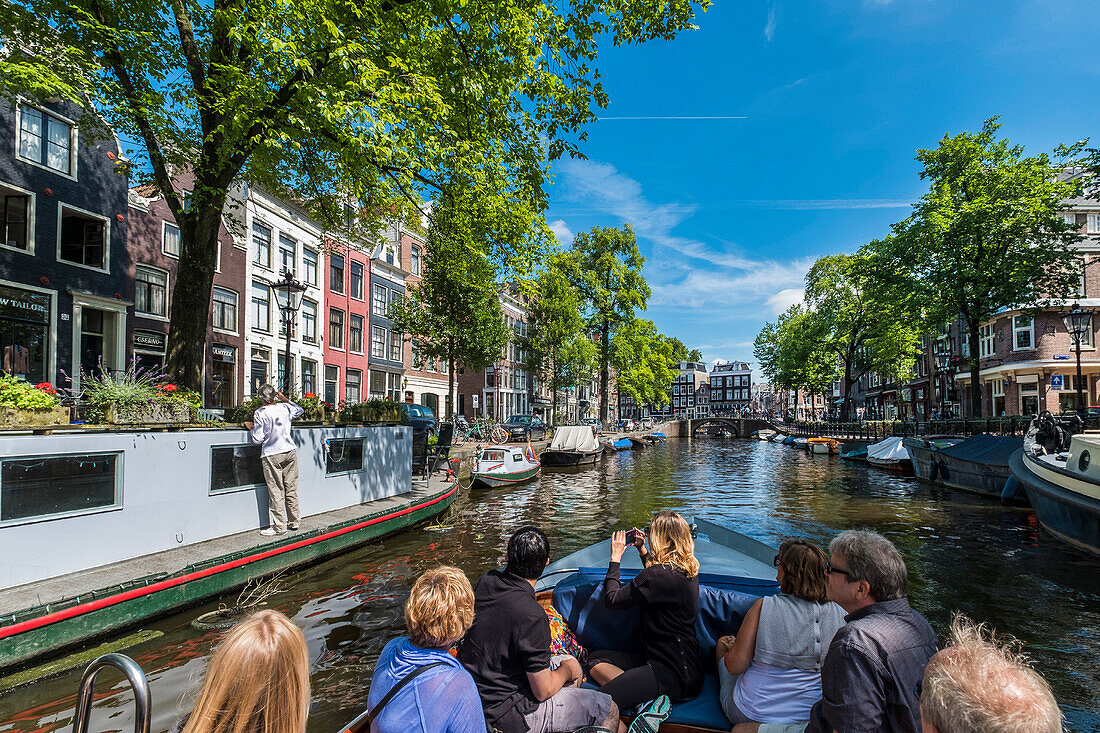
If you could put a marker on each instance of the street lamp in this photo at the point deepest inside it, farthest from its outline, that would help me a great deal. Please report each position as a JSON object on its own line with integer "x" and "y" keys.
{"x": 289, "y": 304}
{"x": 1078, "y": 321}
{"x": 941, "y": 366}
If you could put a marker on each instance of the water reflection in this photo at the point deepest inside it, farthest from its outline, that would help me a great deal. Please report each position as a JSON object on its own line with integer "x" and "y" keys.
{"x": 964, "y": 553}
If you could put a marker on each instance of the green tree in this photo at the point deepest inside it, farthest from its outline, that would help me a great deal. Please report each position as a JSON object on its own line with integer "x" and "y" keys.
{"x": 644, "y": 361}
{"x": 862, "y": 325}
{"x": 792, "y": 353}
{"x": 453, "y": 314}
{"x": 695, "y": 355}
{"x": 605, "y": 267}
{"x": 557, "y": 346}
{"x": 985, "y": 236}
{"x": 330, "y": 103}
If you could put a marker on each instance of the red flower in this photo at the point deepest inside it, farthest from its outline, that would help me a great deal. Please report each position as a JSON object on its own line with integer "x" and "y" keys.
{"x": 168, "y": 387}
{"x": 46, "y": 387}
{"x": 310, "y": 395}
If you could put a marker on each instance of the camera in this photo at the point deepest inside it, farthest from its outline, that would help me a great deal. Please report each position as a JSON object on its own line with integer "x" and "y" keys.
{"x": 634, "y": 536}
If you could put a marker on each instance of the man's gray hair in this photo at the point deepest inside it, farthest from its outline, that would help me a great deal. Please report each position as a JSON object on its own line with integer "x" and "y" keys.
{"x": 982, "y": 684}
{"x": 871, "y": 557}
{"x": 267, "y": 393}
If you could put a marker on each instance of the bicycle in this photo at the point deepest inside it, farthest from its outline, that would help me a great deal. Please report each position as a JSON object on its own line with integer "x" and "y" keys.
{"x": 481, "y": 430}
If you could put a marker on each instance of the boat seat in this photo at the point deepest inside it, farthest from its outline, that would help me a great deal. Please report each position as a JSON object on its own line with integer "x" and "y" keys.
{"x": 702, "y": 711}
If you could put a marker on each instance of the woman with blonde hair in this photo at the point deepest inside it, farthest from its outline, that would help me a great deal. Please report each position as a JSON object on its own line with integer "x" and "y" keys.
{"x": 667, "y": 590}
{"x": 770, "y": 672}
{"x": 418, "y": 686}
{"x": 257, "y": 680}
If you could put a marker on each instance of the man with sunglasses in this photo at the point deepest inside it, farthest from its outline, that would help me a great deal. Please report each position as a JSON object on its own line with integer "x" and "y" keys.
{"x": 869, "y": 678}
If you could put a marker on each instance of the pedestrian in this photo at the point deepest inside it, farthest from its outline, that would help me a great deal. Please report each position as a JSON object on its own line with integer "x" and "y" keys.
{"x": 980, "y": 684}
{"x": 279, "y": 458}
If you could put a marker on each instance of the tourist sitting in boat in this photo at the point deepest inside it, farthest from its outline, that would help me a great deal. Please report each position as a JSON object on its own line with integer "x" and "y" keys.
{"x": 418, "y": 686}
{"x": 257, "y": 680}
{"x": 667, "y": 591}
{"x": 507, "y": 651}
{"x": 770, "y": 672}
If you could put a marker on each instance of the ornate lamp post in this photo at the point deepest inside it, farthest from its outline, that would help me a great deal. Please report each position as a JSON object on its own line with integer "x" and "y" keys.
{"x": 1078, "y": 322}
{"x": 941, "y": 367}
{"x": 291, "y": 290}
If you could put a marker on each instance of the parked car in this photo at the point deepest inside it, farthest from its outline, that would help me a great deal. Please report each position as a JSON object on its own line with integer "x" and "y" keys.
{"x": 421, "y": 417}
{"x": 524, "y": 427}
{"x": 594, "y": 422}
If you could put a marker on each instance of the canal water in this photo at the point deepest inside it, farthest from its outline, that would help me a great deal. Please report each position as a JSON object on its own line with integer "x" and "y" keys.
{"x": 964, "y": 553}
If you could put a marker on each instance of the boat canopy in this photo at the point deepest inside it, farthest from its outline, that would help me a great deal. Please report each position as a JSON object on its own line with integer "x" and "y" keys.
{"x": 891, "y": 449}
{"x": 986, "y": 449}
{"x": 579, "y": 438}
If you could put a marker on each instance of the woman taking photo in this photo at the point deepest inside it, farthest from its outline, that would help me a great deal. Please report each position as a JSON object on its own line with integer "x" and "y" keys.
{"x": 667, "y": 590}
{"x": 257, "y": 681}
{"x": 771, "y": 670}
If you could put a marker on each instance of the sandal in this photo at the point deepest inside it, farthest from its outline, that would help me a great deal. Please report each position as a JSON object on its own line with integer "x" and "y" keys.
{"x": 593, "y": 729}
{"x": 651, "y": 715}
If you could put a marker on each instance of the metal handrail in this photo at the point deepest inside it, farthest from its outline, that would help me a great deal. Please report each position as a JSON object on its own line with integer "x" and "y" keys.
{"x": 143, "y": 701}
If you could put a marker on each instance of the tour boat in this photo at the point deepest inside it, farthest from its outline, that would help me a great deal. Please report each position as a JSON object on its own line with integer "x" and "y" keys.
{"x": 1063, "y": 484}
{"x": 734, "y": 571}
{"x": 889, "y": 454}
{"x": 505, "y": 465}
{"x": 824, "y": 446}
{"x": 978, "y": 464}
{"x": 573, "y": 445}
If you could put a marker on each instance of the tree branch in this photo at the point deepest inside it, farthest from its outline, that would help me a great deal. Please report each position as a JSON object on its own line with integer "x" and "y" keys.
{"x": 191, "y": 52}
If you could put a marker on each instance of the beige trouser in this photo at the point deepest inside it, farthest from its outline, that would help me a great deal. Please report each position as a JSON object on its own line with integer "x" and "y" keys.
{"x": 281, "y": 474}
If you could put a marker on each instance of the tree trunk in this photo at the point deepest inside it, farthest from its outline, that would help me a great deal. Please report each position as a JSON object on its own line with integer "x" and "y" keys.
{"x": 605, "y": 359}
{"x": 449, "y": 402}
{"x": 846, "y": 406}
{"x": 553, "y": 391}
{"x": 975, "y": 370}
{"x": 186, "y": 352}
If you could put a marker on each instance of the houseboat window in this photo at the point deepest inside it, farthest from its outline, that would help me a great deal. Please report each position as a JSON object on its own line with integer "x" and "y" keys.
{"x": 492, "y": 455}
{"x": 234, "y": 467}
{"x": 344, "y": 455}
{"x": 516, "y": 457}
{"x": 1083, "y": 461}
{"x": 47, "y": 486}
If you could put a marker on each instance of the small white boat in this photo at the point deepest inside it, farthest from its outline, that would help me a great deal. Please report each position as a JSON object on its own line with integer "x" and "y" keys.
{"x": 504, "y": 465}
{"x": 778, "y": 438}
{"x": 764, "y": 434}
{"x": 824, "y": 446}
{"x": 801, "y": 443}
{"x": 890, "y": 454}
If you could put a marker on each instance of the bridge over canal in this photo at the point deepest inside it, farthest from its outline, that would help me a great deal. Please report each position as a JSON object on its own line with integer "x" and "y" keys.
{"x": 741, "y": 427}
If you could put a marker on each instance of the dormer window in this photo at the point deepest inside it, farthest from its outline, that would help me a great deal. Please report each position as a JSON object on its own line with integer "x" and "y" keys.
{"x": 46, "y": 140}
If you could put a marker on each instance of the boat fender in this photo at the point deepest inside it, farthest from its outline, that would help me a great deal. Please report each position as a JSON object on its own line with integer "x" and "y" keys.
{"x": 934, "y": 471}
{"x": 1012, "y": 485}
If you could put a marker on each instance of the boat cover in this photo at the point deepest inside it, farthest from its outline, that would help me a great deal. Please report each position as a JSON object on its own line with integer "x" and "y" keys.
{"x": 888, "y": 451}
{"x": 988, "y": 449}
{"x": 579, "y": 438}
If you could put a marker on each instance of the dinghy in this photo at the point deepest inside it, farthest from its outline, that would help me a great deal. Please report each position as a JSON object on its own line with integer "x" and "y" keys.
{"x": 890, "y": 454}
{"x": 573, "y": 445}
{"x": 505, "y": 465}
{"x": 824, "y": 446}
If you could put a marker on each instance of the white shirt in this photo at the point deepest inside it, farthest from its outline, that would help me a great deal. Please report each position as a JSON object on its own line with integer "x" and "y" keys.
{"x": 272, "y": 427}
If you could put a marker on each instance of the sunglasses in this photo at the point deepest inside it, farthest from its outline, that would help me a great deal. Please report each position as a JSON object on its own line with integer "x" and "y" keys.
{"x": 830, "y": 569}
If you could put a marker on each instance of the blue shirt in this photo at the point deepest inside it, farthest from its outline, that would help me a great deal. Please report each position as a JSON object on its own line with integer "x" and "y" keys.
{"x": 441, "y": 700}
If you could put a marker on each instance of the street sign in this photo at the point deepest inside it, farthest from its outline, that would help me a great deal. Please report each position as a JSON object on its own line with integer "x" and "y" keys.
{"x": 475, "y": 401}
{"x": 1061, "y": 357}
{"x": 1056, "y": 381}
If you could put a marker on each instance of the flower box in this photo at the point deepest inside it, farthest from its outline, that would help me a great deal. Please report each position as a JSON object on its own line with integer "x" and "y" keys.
{"x": 15, "y": 417}
{"x": 156, "y": 413}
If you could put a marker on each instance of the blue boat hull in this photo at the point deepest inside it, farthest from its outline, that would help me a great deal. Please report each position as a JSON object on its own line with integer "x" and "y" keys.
{"x": 1069, "y": 515}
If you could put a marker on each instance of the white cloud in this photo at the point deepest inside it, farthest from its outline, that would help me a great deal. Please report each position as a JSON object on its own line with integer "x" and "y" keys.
{"x": 784, "y": 299}
{"x": 563, "y": 233}
{"x": 769, "y": 29}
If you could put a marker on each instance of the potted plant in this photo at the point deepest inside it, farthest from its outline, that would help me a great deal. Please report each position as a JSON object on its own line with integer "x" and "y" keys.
{"x": 135, "y": 396}
{"x": 23, "y": 404}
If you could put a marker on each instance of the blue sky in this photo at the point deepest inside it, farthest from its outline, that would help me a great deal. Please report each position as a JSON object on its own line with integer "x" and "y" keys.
{"x": 814, "y": 110}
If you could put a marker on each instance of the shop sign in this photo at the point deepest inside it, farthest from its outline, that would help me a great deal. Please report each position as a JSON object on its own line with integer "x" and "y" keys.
{"x": 26, "y": 305}
{"x": 1056, "y": 381}
{"x": 151, "y": 340}
{"x": 224, "y": 353}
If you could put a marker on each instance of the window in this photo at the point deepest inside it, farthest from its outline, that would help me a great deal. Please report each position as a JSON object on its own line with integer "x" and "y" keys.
{"x": 170, "y": 239}
{"x": 235, "y": 467}
{"x": 223, "y": 378}
{"x": 377, "y": 384}
{"x": 309, "y": 266}
{"x": 378, "y": 305}
{"x": 355, "y": 333}
{"x": 45, "y": 140}
{"x": 16, "y": 209}
{"x": 1029, "y": 397}
{"x": 309, "y": 376}
{"x": 45, "y": 486}
{"x": 415, "y": 260}
{"x": 261, "y": 243}
{"x": 354, "y": 386}
{"x": 151, "y": 291}
{"x": 1094, "y": 224}
{"x": 287, "y": 249}
{"x": 82, "y": 239}
{"x": 378, "y": 342}
{"x": 355, "y": 279}
{"x": 332, "y": 378}
{"x": 396, "y": 342}
{"x": 985, "y": 341}
{"x": 336, "y": 273}
{"x": 261, "y": 307}
{"x": 344, "y": 455}
{"x": 309, "y": 321}
{"x": 336, "y": 328}
{"x": 1023, "y": 333}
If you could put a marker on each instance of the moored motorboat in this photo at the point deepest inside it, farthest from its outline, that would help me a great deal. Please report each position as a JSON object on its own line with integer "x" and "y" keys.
{"x": 801, "y": 443}
{"x": 763, "y": 434}
{"x": 1063, "y": 484}
{"x": 977, "y": 464}
{"x": 655, "y": 437}
{"x": 778, "y": 438}
{"x": 638, "y": 442}
{"x": 854, "y": 452}
{"x": 618, "y": 443}
{"x": 734, "y": 571}
{"x": 788, "y": 440}
{"x": 890, "y": 454}
{"x": 505, "y": 465}
{"x": 824, "y": 446}
{"x": 573, "y": 445}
